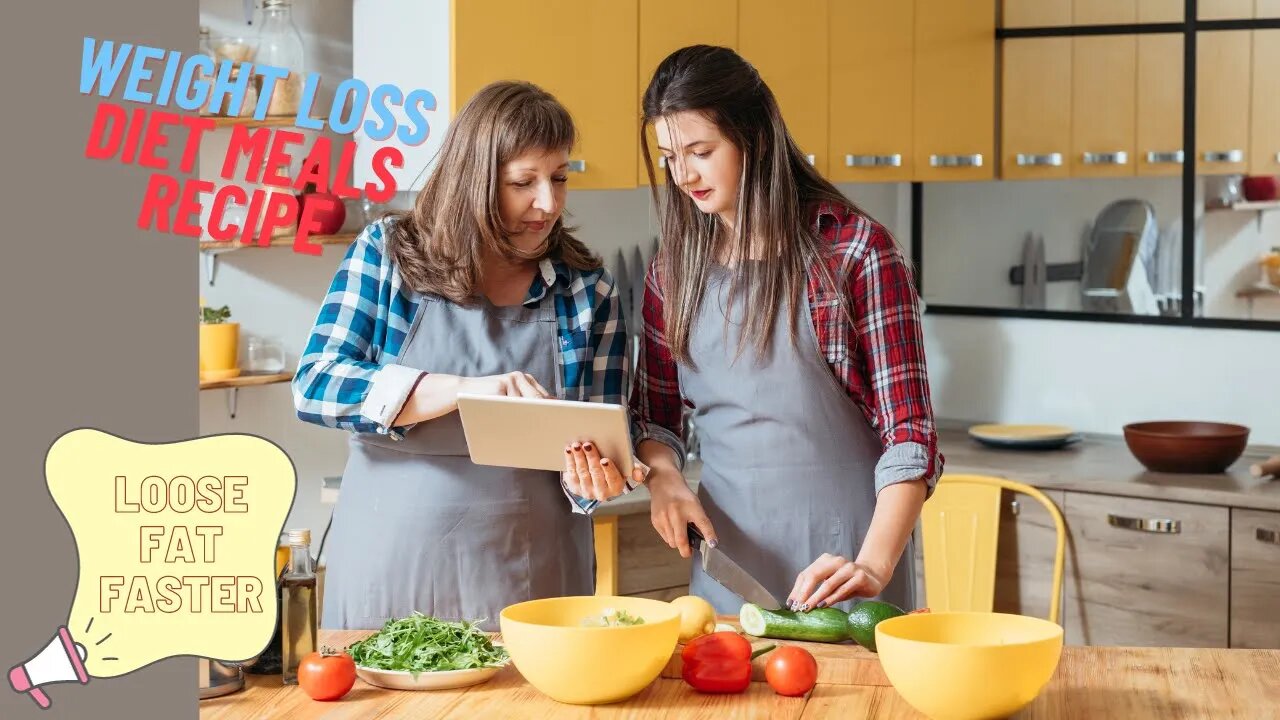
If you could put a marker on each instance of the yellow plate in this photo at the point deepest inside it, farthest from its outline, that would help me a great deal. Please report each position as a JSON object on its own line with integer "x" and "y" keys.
{"x": 1021, "y": 432}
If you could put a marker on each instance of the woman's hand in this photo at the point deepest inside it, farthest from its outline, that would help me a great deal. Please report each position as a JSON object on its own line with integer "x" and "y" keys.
{"x": 590, "y": 476}
{"x": 832, "y": 579}
{"x": 672, "y": 507}
{"x": 512, "y": 384}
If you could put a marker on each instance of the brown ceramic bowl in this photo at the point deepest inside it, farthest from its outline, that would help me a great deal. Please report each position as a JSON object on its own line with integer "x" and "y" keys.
{"x": 1186, "y": 447}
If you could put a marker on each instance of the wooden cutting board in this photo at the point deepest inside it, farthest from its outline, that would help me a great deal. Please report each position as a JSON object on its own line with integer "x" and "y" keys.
{"x": 845, "y": 663}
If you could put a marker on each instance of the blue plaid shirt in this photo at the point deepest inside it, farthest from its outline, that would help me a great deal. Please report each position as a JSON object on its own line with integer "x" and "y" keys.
{"x": 348, "y": 377}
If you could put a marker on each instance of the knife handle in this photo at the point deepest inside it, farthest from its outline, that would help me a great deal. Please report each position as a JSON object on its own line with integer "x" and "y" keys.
{"x": 695, "y": 537}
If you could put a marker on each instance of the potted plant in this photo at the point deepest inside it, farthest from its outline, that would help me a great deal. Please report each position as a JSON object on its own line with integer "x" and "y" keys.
{"x": 219, "y": 344}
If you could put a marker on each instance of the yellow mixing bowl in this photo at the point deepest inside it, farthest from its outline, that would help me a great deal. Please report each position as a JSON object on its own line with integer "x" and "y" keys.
{"x": 589, "y": 665}
{"x": 968, "y": 665}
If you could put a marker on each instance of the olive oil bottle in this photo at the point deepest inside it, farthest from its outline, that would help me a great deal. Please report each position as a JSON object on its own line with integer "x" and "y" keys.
{"x": 299, "y": 624}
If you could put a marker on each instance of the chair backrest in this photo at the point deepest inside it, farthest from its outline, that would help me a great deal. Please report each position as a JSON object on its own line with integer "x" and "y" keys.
{"x": 960, "y": 528}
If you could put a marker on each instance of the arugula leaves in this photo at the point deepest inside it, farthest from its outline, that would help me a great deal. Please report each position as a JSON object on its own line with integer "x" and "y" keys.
{"x": 420, "y": 643}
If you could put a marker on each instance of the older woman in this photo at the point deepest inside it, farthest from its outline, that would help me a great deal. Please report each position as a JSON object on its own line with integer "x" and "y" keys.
{"x": 480, "y": 289}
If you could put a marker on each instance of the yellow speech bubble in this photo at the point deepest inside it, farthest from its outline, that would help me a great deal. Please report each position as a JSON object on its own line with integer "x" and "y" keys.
{"x": 176, "y": 545}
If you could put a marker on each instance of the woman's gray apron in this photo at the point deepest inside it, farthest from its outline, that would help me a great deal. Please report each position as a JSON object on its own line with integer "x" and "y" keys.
{"x": 788, "y": 459}
{"x": 420, "y": 527}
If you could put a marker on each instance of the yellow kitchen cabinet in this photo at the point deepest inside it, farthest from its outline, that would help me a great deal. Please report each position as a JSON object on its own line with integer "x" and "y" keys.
{"x": 1222, "y": 101}
{"x": 871, "y": 61}
{"x": 1036, "y": 108}
{"x": 1225, "y": 9}
{"x": 1264, "y": 143}
{"x": 583, "y": 52}
{"x": 667, "y": 26}
{"x": 954, "y": 90}
{"x": 789, "y": 49}
{"x": 1161, "y": 11}
{"x": 1104, "y": 12}
{"x": 1103, "y": 105}
{"x": 1267, "y": 9}
{"x": 1036, "y": 13}
{"x": 1159, "y": 142}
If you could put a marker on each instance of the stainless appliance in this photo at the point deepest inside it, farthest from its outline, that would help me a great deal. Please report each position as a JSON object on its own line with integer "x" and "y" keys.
{"x": 218, "y": 677}
{"x": 1118, "y": 260}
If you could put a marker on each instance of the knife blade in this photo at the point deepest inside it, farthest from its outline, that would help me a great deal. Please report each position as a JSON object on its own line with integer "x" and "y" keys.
{"x": 730, "y": 574}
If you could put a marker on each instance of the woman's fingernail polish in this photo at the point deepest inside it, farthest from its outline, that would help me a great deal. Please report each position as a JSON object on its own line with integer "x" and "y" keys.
{"x": 804, "y": 607}
{"x": 587, "y": 447}
{"x": 604, "y": 461}
{"x": 712, "y": 544}
{"x": 568, "y": 451}
{"x": 820, "y": 605}
{"x": 576, "y": 446}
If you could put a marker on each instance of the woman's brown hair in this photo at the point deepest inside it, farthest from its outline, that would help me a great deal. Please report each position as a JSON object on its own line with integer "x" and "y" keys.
{"x": 776, "y": 194}
{"x": 439, "y": 246}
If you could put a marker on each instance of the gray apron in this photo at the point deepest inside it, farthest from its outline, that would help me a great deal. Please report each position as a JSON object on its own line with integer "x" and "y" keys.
{"x": 418, "y": 526}
{"x": 788, "y": 459}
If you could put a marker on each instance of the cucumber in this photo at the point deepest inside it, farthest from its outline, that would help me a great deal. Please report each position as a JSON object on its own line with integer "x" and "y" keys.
{"x": 820, "y": 625}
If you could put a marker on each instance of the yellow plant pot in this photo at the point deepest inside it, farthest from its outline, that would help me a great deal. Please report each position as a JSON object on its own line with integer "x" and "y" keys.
{"x": 219, "y": 350}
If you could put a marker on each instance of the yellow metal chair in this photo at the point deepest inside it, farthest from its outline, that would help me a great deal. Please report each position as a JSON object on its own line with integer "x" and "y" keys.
{"x": 960, "y": 526}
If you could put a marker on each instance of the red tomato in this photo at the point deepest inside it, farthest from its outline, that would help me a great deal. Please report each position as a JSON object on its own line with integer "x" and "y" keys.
{"x": 791, "y": 670}
{"x": 327, "y": 676}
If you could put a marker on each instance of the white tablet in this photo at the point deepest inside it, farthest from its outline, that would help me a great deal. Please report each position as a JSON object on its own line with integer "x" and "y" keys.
{"x": 531, "y": 433}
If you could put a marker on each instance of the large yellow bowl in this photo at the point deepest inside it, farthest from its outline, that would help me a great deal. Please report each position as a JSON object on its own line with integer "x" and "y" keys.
{"x": 968, "y": 665}
{"x": 589, "y": 665}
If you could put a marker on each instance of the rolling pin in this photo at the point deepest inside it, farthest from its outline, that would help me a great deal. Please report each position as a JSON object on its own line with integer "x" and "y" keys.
{"x": 1267, "y": 467}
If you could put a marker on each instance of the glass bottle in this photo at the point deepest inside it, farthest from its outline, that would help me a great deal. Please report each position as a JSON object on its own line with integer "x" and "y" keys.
{"x": 299, "y": 624}
{"x": 268, "y": 663}
{"x": 280, "y": 45}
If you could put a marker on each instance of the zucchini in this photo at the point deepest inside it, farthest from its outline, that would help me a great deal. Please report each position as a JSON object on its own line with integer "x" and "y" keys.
{"x": 821, "y": 625}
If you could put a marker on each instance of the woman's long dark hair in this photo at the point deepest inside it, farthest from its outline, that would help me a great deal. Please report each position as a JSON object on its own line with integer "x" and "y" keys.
{"x": 776, "y": 194}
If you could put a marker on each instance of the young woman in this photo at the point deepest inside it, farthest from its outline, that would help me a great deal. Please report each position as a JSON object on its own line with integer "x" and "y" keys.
{"x": 788, "y": 320}
{"x": 480, "y": 289}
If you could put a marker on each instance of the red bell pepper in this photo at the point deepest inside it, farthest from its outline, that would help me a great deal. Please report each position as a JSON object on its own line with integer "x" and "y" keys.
{"x": 719, "y": 662}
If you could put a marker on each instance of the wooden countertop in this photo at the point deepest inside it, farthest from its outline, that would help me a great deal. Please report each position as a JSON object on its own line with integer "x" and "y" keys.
{"x": 1091, "y": 682}
{"x": 1099, "y": 464}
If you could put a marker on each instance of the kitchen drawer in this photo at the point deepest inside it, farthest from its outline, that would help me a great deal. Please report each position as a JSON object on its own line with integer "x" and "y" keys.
{"x": 1255, "y": 579}
{"x": 1164, "y": 583}
{"x": 645, "y": 563}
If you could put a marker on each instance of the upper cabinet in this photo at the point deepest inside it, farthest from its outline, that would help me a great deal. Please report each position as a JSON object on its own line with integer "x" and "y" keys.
{"x": 1035, "y": 112}
{"x": 789, "y": 49}
{"x": 1226, "y": 9}
{"x": 954, "y": 90}
{"x": 1104, "y": 12}
{"x": 1103, "y": 105}
{"x": 1161, "y": 11}
{"x": 872, "y": 63}
{"x": 1036, "y": 13}
{"x": 1159, "y": 136}
{"x": 667, "y": 26}
{"x": 575, "y": 49}
{"x": 1264, "y": 141}
{"x": 1223, "y": 65}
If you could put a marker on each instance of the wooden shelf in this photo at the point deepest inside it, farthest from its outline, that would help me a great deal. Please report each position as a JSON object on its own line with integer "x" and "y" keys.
{"x": 220, "y": 121}
{"x": 1247, "y": 207}
{"x": 284, "y": 239}
{"x": 247, "y": 380}
{"x": 1259, "y": 290}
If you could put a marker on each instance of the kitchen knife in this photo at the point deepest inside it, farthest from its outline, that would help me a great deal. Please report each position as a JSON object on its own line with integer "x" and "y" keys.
{"x": 731, "y": 575}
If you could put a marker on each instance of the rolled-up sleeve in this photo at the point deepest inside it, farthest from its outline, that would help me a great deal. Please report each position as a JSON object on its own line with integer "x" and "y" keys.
{"x": 890, "y": 345}
{"x": 339, "y": 382}
{"x": 657, "y": 408}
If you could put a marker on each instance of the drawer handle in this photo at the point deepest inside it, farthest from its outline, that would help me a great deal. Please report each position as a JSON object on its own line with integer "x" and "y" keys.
{"x": 974, "y": 160}
{"x": 1151, "y": 525}
{"x": 662, "y": 161}
{"x": 1157, "y": 158}
{"x": 1271, "y": 537}
{"x": 1050, "y": 160}
{"x": 1015, "y": 508}
{"x": 811, "y": 158}
{"x": 1106, "y": 158}
{"x": 873, "y": 160}
{"x": 1226, "y": 156}
{"x": 578, "y": 166}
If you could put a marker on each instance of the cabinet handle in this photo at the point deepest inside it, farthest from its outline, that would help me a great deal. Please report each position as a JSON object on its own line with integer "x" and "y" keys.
{"x": 662, "y": 162}
{"x": 811, "y": 158}
{"x": 873, "y": 160}
{"x": 577, "y": 166}
{"x": 974, "y": 160}
{"x": 1051, "y": 160}
{"x": 1106, "y": 158}
{"x": 1271, "y": 537}
{"x": 1015, "y": 508}
{"x": 1227, "y": 156}
{"x": 1151, "y": 525}
{"x": 1157, "y": 158}
{"x": 1278, "y": 157}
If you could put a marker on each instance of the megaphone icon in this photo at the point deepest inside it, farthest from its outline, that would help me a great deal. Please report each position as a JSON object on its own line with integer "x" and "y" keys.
{"x": 62, "y": 660}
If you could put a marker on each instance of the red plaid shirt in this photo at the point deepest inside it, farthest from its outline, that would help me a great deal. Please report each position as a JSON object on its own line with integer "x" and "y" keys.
{"x": 879, "y": 358}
